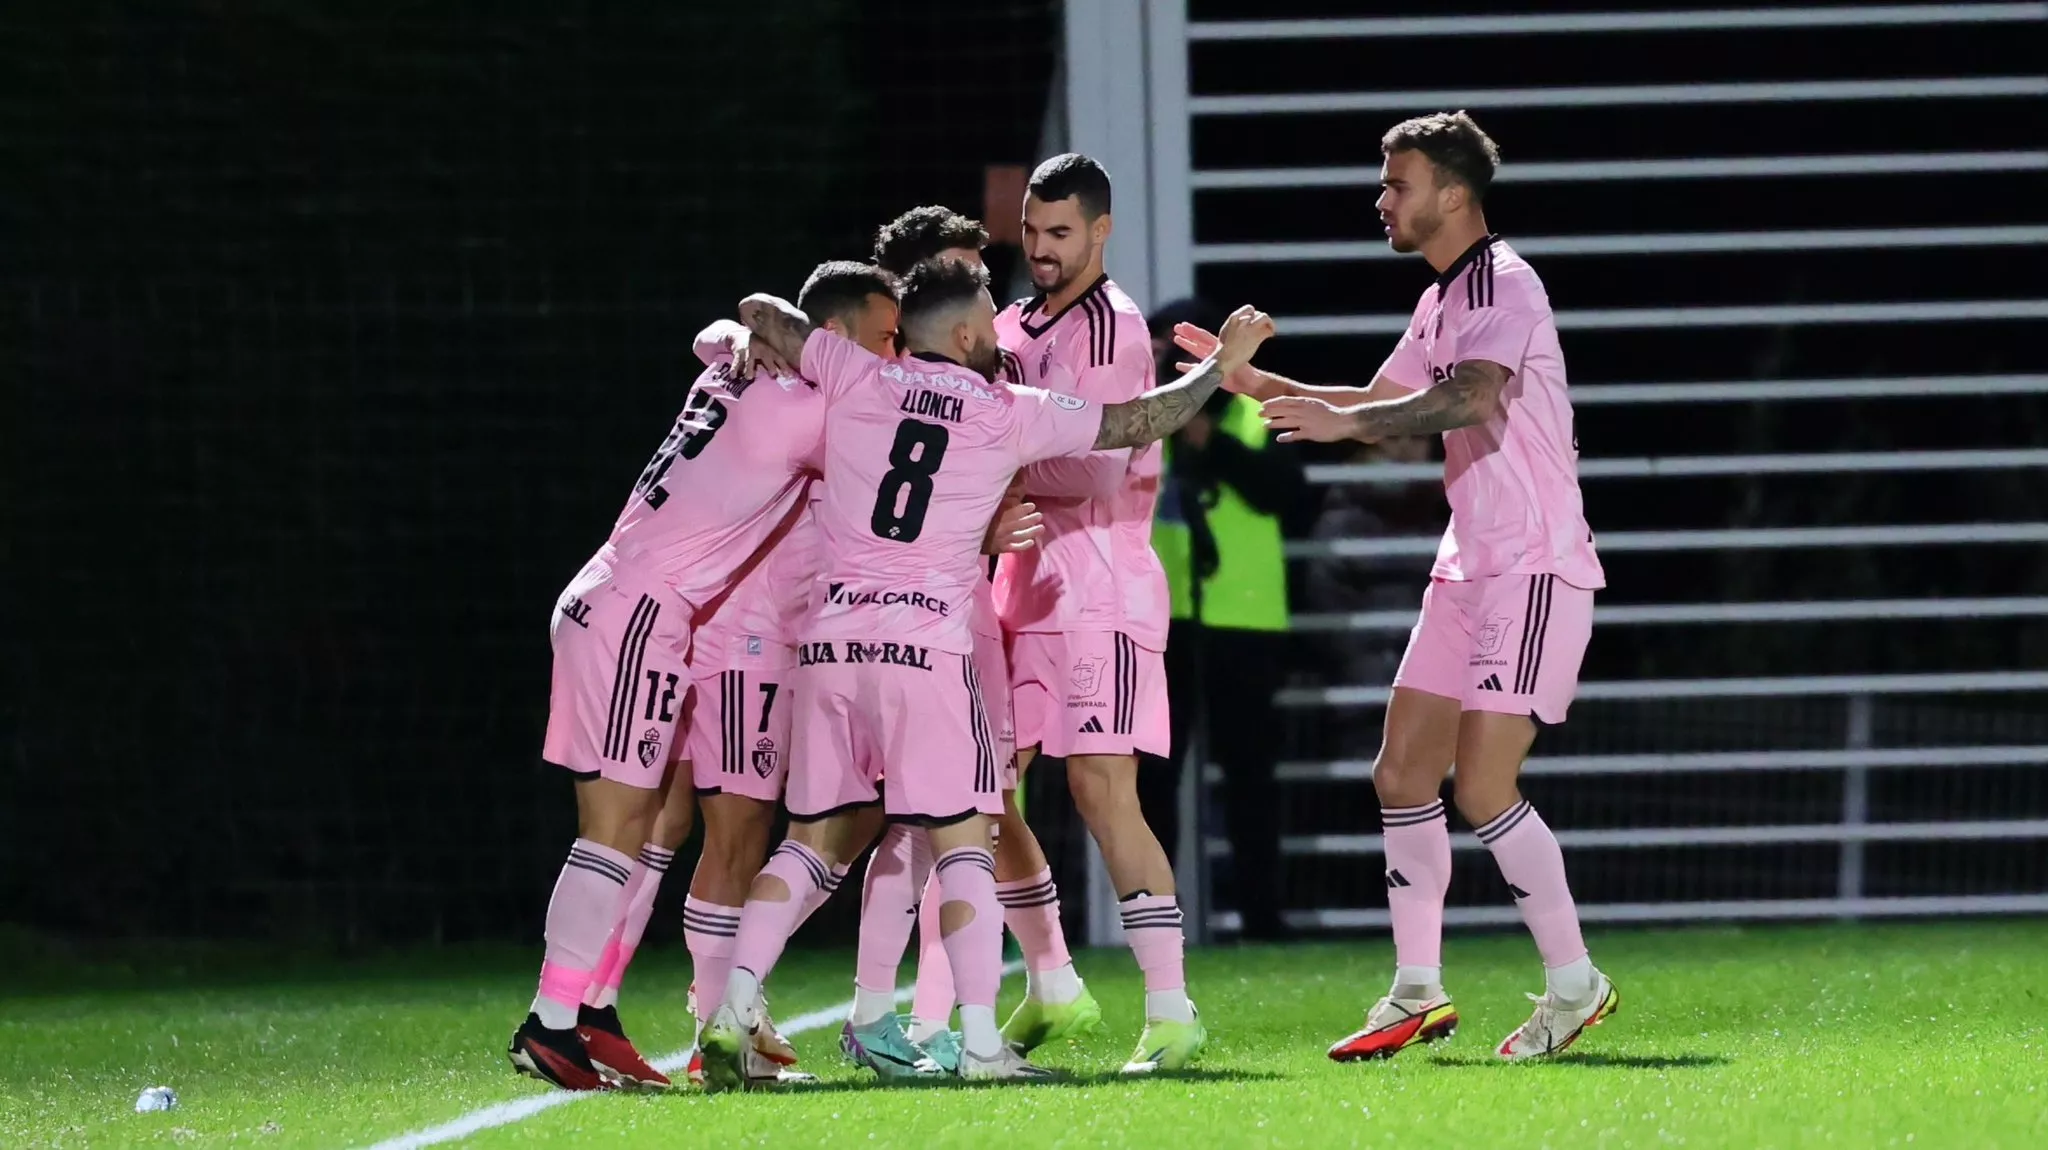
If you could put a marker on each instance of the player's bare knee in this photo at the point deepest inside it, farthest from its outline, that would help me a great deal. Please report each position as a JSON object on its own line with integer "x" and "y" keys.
{"x": 768, "y": 888}
{"x": 954, "y": 915}
{"x": 1480, "y": 801}
{"x": 614, "y": 814}
{"x": 1403, "y": 783}
{"x": 674, "y": 822}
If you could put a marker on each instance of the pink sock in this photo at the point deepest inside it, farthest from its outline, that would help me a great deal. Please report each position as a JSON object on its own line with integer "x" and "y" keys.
{"x": 1031, "y": 909}
{"x": 888, "y": 906}
{"x": 1418, "y": 852}
{"x": 1152, "y": 925}
{"x": 816, "y": 898}
{"x": 709, "y": 930}
{"x": 1530, "y": 860}
{"x": 580, "y": 918}
{"x": 765, "y": 927}
{"x": 975, "y": 951}
{"x": 932, "y": 1000}
{"x": 634, "y": 908}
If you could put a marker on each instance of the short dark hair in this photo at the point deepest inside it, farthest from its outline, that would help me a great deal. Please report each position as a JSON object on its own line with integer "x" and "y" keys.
{"x": 937, "y": 286}
{"x": 1073, "y": 174}
{"x": 839, "y": 289}
{"x": 921, "y": 233}
{"x": 1454, "y": 145}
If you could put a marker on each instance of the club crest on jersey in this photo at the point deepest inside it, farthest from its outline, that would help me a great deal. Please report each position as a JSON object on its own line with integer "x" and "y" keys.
{"x": 1088, "y": 676}
{"x": 650, "y": 747}
{"x": 1492, "y": 634}
{"x": 1045, "y": 361}
{"x": 764, "y": 758}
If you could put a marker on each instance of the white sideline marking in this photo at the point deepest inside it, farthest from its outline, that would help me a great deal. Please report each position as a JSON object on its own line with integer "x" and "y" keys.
{"x": 520, "y": 1109}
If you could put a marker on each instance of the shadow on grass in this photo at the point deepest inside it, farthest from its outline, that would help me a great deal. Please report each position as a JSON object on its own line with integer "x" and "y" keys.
{"x": 1596, "y": 1059}
{"x": 1094, "y": 1078}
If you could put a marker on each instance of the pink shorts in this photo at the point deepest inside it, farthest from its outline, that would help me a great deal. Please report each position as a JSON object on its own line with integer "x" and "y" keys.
{"x": 1511, "y": 643}
{"x": 1088, "y": 693}
{"x": 992, "y": 664}
{"x": 888, "y": 720}
{"x": 739, "y": 725}
{"x": 619, "y": 682}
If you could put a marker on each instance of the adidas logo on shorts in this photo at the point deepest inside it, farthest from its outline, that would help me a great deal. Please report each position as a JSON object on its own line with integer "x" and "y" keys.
{"x": 1492, "y": 683}
{"x": 1092, "y": 727}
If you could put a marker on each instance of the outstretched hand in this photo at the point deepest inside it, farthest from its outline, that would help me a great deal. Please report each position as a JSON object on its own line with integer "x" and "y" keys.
{"x": 1299, "y": 418}
{"x": 1247, "y": 380}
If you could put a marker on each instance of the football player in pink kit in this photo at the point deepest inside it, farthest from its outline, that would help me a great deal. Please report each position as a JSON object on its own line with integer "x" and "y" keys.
{"x": 731, "y": 475}
{"x": 919, "y": 454}
{"x": 1086, "y": 613}
{"x": 1024, "y": 884}
{"x": 1510, "y": 604}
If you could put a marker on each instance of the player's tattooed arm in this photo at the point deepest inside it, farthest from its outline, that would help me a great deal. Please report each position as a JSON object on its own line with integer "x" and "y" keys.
{"x": 1164, "y": 410}
{"x": 778, "y": 323}
{"x": 1472, "y": 395}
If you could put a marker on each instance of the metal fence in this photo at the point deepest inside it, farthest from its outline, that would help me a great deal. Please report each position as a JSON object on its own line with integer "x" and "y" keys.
{"x": 1230, "y": 188}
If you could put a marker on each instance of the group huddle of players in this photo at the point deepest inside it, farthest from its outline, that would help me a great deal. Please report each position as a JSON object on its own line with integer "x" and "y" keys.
{"x": 799, "y": 604}
{"x": 897, "y": 544}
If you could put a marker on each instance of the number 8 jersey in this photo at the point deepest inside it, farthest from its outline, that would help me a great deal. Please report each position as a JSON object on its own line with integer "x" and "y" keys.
{"x": 918, "y": 452}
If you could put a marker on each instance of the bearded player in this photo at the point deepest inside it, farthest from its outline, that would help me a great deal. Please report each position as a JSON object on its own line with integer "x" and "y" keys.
{"x": 1509, "y": 607}
{"x": 1086, "y": 613}
{"x": 919, "y": 454}
{"x": 1024, "y": 884}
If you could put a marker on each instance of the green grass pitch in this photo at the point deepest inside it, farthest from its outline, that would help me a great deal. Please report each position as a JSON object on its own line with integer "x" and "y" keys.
{"x": 1853, "y": 1036}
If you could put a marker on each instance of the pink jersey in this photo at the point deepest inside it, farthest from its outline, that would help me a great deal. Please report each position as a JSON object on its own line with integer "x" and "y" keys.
{"x": 1513, "y": 481}
{"x": 1094, "y": 568}
{"x": 918, "y": 452}
{"x": 763, "y": 607}
{"x": 731, "y": 472}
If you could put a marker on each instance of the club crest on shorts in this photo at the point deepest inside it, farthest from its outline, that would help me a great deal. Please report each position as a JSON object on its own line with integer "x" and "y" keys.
{"x": 753, "y": 644}
{"x": 764, "y": 758}
{"x": 1492, "y": 634}
{"x": 650, "y": 747}
{"x": 1088, "y": 676}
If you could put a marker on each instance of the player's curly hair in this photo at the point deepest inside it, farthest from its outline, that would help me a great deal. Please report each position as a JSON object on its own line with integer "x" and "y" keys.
{"x": 923, "y": 232}
{"x": 937, "y": 287}
{"x": 840, "y": 289}
{"x": 1454, "y": 144}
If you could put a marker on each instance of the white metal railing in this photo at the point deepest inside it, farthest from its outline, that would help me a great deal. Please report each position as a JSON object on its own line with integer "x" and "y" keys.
{"x": 1708, "y": 762}
{"x": 1701, "y": 168}
{"x": 1171, "y": 182}
{"x": 1935, "y": 683}
{"x": 1744, "y": 836}
{"x": 1677, "y": 614}
{"x": 1751, "y": 390}
{"x": 1623, "y": 95}
{"x": 1766, "y": 315}
{"x": 1228, "y": 922}
{"x": 1728, "y": 539}
{"x": 1695, "y": 466}
{"x": 1665, "y": 243}
{"x": 1874, "y": 15}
